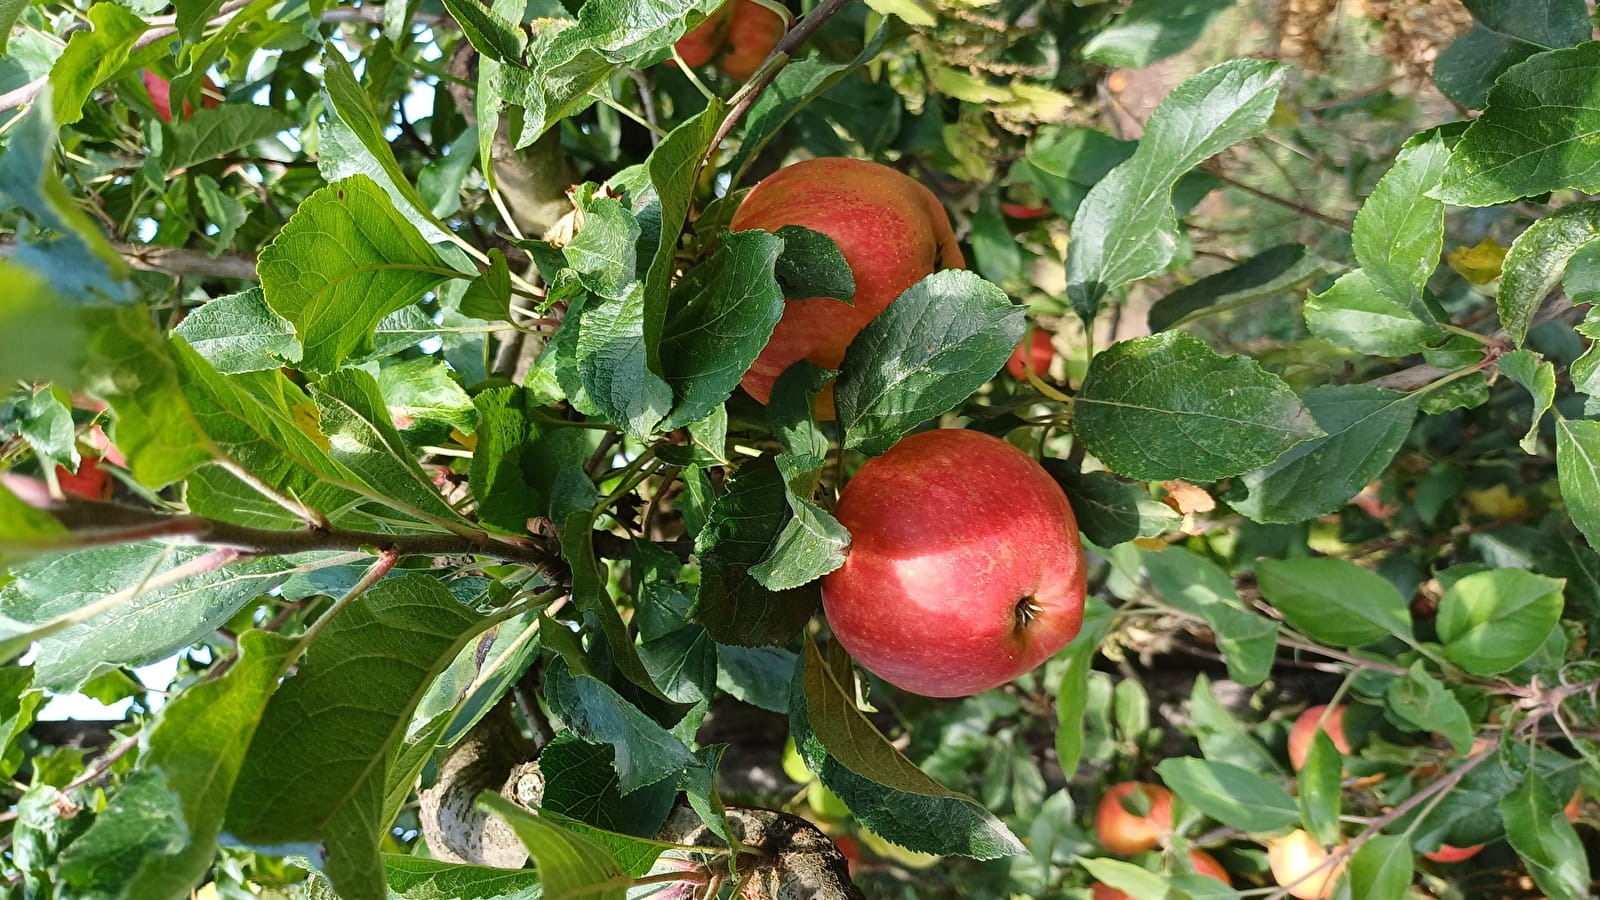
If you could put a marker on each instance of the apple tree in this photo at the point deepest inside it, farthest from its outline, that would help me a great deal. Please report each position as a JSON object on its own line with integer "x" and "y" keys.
{"x": 398, "y": 381}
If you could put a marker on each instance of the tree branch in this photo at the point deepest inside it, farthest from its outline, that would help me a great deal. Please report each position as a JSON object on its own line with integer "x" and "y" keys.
{"x": 171, "y": 260}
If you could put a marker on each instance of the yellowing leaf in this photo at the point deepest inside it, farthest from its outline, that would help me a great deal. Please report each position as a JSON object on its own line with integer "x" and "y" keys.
{"x": 309, "y": 422}
{"x": 1479, "y": 264}
{"x": 1496, "y": 502}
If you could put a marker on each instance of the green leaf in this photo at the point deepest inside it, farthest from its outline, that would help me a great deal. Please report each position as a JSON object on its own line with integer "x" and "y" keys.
{"x": 211, "y": 133}
{"x": 488, "y": 33}
{"x": 92, "y": 56}
{"x": 314, "y": 775}
{"x": 1247, "y": 639}
{"x": 719, "y": 317}
{"x": 756, "y": 675}
{"x": 128, "y": 604}
{"x": 1534, "y": 135}
{"x": 497, "y": 475}
{"x": 415, "y": 878}
{"x": 10, "y": 10}
{"x": 1152, "y": 30}
{"x": 240, "y": 333}
{"x": 42, "y": 337}
{"x": 1062, "y": 164}
{"x": 744, "y": 526}
{"x": 425, "y": 388}
{"x": 811, "y": 265}
{"x": 1399, "y": 232}
{"x": 131, "y": 370}
{"x": 570, "y": 864}
{"x": 1335, "y": 600}
{"x": 1274, "y": 272}
{"x": 1491, "y": 621}
{"x": 1072, "y": 694}
{"x": 929, "y": 350}
{"x": 1545, "y": 840}
{"x": 489, "y": 295}
{"x": 24, "y": 530}
{"x": 645, "y": 752}
{"x": 1538, "y": 258}
{"x": 1232, "y": 795}
{"x": 1319, "y": 789}
{"x": 1422, "y": 700}
{"x": 143, "y": 821}
{"x": 1381, "y": 869}
{"x": 591, "y": 595}
{"x": 672, "y": 165}
{"x": 195, "y": 752}
{"x": 354, "y": 108}
{"x": 1505, "y": 33}
{"x": 1128, "y": 878}
{"x": 683, "y": 663}
{"x": 346, "y": 259}
{"x": 813, "y": 542}
{"x": 611, "y": 354}
{"x": 1578, "y": 471}
{"x": 1129, "y": 229}
{"x": 1364, "y": 428}
{"x": 1167, "y": 407}
{"x": 1111, "y": 510}
{"x": 580, "y": 782}
{"x": 1538, "y": 375}
{"x": 885, "y": 791}
{"x": 1356, "y": 313}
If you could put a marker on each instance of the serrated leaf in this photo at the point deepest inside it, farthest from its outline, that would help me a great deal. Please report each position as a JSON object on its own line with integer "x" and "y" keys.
{"x": 1363, "y": 427}
{"x": 743, "y": 526}
{"x": 1152, "y": 30}
{"x": 591, "y": 595}
{"x": 580, "y": 782}
{"x": 1399, "y": 232}
{"x": 1504, "y": 33}
{"x": 41, "y": 336}
{"x": 211, "y": 133}
{"x": 811, "y": 265}
{"x": 144, "y": 821}
{"x": 1232, "y": 795}
{"x": 645, "y": 752}
{"x": 488, "y": 33}
{"x": 885, "y": 791}
{"x": 1420, "y": 699}
{"x": 672, "y": 166}
{"x": 1578, "y": 472}
{"x": 423, "y": 388}
{"x": 314, "y": 775}
{"x": 1538, "y": 376}
{"x": 1273, "y": 272}
{"x": 1166, "y": 407}
{"x": 92, "y": 56}
{"x": 719, "y": 317}
{"x": 1356, "y": 313}
{"x": 131, "y": 370}
{"x": 240, "y": 333}
{"x": 195, "y": 752}
{"x": 1545, "y": 840}
{"x": 813, "y": 542}
{"x": 1247, "y": 639}
{"x": 489, "y": 295}
{"x": 929, "y": 350}
{"x": 497, "y": 476}
{"x": 1533, "y": 135}
{"x": 611, "y": 354}
{"x": 346, "y": 259}
{"x": 1491, "y": 621}
{"x": 1335, "y": 600}
{"x": 570, "y": 865}
{"x": 1131, "y": 230}
{"x": 415, "y": 878}
{"x": 1538, "y": 258}
{"x": 1111, "y": 510}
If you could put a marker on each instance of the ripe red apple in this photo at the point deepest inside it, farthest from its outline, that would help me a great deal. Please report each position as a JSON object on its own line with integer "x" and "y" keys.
{"x": 1204, "y": 864}
{"x": 90, "y": 482}
{"x": 1127, "y": 831}
{"x": 752, "y": 34}
{"x": 1296, "y": 854}
{"x": 850, "y": 849}
{"x": 965, "y": 568}
{"x": 703, "y": 41}
{"x": 161, "y": 95}
{"x": 892, "y": 232}
{"x": 1024, "y": 210}
{"x": 1449, "y": 854}
{"x": 1035, "y": 351}
{"x": 1305, "y": 728}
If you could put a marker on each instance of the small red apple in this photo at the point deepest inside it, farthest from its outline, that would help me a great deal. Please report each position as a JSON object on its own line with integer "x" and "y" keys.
{"x": 1035, "y": 351}
{"x": 90, "y": 482}
{"x": 161, "y": 95}
{"x": 752, "y": 34}
{"x": 892, "y": 232}
{"x": 1295, "y": 855}
{"x": 701, "y": 44}
{"x": 1305, "y": 728}
{"x": 1127, "y": 831}
{"x": 1204, "y": 864}
{"x": 965, "y": 567}
{"x": 1449, "y": 854}
{"x": 1024, "y": 210}
{"x": 850, "y": 849}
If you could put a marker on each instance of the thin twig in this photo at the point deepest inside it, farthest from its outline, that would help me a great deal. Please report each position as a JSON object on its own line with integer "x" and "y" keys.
{"x": 170, "y": 260}
{"x": 1216, "y": 172}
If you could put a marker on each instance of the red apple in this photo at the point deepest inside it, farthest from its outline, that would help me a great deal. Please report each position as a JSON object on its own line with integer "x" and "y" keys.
{"x": 1295, "y": 855}
{"x": 1127, "y": 831}
{"x": 965, "y": 568}
{"x": 161, "y": 95}
{"x": 850, "y": 849}
{"x": 1305, "y": 728}
{"x": 752, "y": 34}
{"x": 1574, "y": 807}
{"x": 1204, "y": 864}
{"x": 703, "y": 41}
{"x": 1035, "y": 351}
{"x": 90, "y": 481}
{"x": 1449, "y": 854}
{"x": 1024, "y": 210}
{"x": 892, "y": 232}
